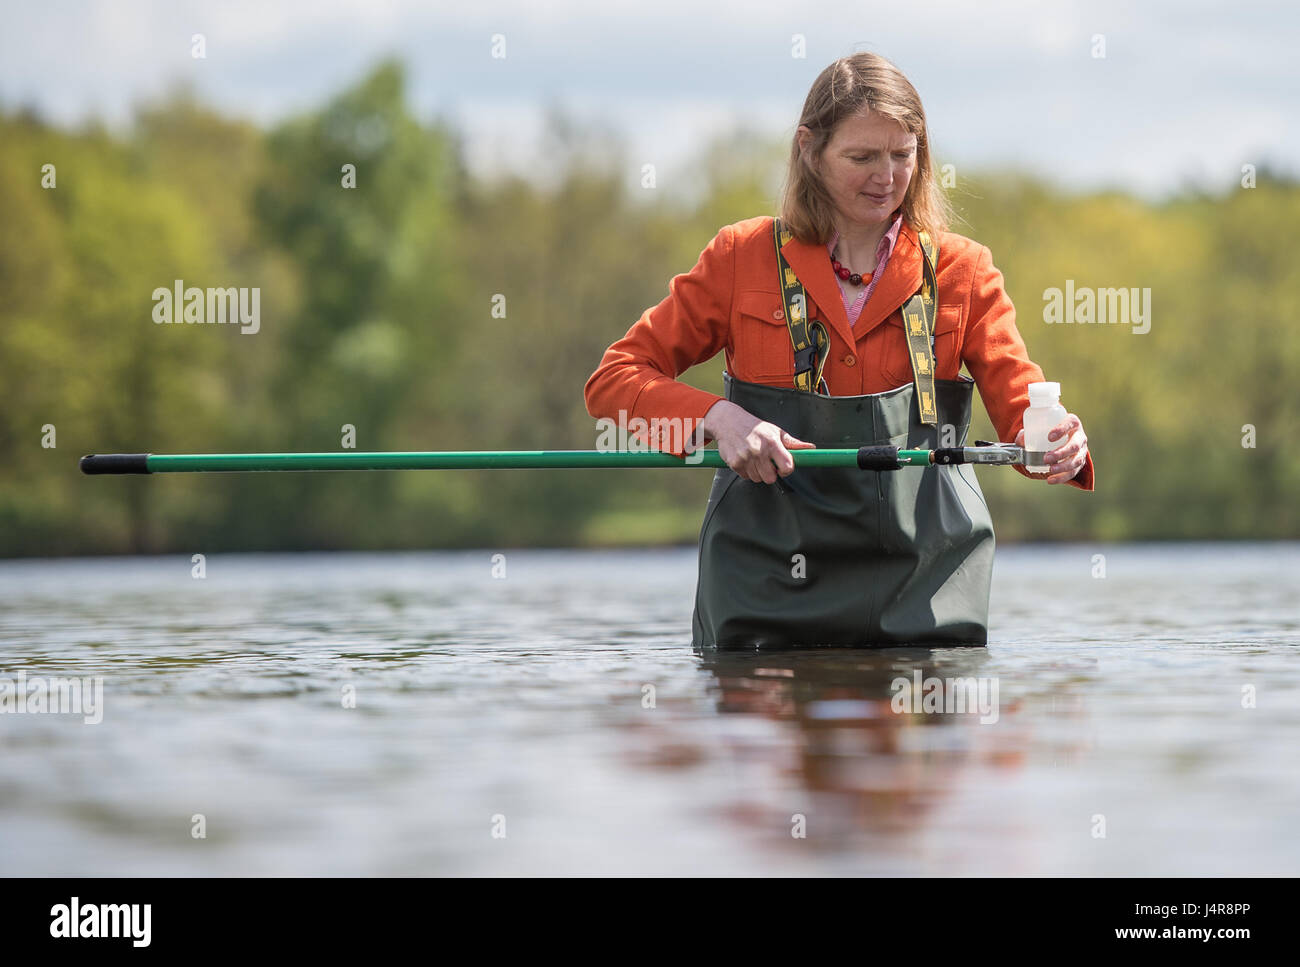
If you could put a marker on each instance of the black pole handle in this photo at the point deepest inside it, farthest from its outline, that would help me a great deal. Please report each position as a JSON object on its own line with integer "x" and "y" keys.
{"x": 878, "y": 458}
{"x": 93, "y": 463}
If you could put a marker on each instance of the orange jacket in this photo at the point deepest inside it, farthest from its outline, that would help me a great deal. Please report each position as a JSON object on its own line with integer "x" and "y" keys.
{"x": 731, "y": 301}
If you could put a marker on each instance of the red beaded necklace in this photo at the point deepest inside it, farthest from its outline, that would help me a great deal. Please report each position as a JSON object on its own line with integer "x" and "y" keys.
{"x": 847, "y": 274}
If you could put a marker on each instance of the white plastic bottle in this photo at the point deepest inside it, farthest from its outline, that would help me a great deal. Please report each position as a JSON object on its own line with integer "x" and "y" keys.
{"x": 1045, "y": 413}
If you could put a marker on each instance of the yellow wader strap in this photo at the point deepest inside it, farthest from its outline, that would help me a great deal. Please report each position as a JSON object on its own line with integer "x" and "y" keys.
{"x": 811, "y": 343}
{"x": 918, "y": 324}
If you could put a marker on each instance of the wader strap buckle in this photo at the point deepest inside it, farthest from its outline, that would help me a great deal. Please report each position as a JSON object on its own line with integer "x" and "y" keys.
{"x": 810, "y": 342}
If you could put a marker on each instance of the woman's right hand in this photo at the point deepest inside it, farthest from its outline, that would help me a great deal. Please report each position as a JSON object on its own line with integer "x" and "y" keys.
{"x": 755, "y": 449}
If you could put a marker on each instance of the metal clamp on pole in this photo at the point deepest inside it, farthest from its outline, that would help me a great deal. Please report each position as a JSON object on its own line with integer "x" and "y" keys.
{"x": 1003, "y": 454}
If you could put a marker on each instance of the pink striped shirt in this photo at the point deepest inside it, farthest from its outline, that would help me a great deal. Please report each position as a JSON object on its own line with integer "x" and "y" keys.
{"x": 886, "y": 248}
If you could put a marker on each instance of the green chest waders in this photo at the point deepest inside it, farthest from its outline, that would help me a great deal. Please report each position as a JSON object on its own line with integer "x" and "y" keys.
{"x": 847, "y": 558}
{"x": 850, "y": 558}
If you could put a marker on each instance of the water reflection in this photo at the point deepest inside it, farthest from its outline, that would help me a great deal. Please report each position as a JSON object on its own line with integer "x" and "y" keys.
{"x": 566, "y": 698}
{"x": 858, "y": 741}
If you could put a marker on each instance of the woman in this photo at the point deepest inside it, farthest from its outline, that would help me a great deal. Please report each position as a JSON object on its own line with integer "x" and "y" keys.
{"x": 811, "y": 314}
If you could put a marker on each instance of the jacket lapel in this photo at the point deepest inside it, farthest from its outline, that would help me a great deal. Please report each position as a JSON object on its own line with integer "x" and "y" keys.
{"x": 901, "y": 279}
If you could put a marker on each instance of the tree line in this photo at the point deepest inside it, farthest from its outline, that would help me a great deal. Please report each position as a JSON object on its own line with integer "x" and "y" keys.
{"x": 430, "y": 308}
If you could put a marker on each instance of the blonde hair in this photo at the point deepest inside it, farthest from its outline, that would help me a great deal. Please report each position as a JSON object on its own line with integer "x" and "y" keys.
{"x": 842, "y": 90}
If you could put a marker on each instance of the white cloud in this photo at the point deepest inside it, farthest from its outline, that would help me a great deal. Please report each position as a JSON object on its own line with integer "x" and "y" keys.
{"x": 1184, "y": 86}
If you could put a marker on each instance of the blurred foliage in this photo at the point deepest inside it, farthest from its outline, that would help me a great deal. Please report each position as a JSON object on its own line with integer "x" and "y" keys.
{"x": 377, "y": 312}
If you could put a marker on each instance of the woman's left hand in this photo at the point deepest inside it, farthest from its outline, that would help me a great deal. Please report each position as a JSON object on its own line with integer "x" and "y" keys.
{"x": 1070, "y": 454}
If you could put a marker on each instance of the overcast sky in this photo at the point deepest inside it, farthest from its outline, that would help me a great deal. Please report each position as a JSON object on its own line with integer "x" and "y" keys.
{"x": 1187, "y": 92}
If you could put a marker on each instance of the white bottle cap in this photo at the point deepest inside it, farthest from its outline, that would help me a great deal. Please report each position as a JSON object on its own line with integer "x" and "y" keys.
{"x": 1044, "y": 394}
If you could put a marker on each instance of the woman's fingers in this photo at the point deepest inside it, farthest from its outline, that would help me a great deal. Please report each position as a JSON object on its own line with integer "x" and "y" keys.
{"x": 772, "y": 459}
{"x": 1063, "y": 472}
{"x": 1071, "y": 456}
{"x": 1074, "y": 440}
{"x": 765, "y": 454}
{"x": 1070, "y": 451}
{"x": 1065, "y": 430}
{"x": 780, "y": 453}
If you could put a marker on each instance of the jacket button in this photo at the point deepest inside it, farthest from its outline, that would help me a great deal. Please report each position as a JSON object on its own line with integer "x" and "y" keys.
{"x": 850, "y": 360}
{"x": 778, "y": 314}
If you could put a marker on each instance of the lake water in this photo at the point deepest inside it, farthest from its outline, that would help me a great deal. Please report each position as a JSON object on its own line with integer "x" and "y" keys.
{"x": 414, "y": 714}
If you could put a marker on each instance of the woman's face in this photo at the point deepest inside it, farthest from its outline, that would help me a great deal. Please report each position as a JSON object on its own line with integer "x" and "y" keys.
{"x": 867, "y": 166}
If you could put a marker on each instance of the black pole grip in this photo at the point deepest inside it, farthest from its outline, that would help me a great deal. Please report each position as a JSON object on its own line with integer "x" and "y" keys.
{"x": 878, "y": 458}
{"x": 115, "y": 463}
